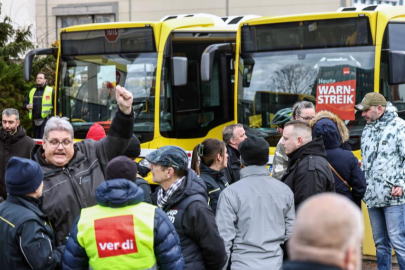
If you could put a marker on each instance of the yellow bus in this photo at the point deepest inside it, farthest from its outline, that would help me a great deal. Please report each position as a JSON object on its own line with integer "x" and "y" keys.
{"x": 344, "y": 54}
{"x": 160, "y": 63}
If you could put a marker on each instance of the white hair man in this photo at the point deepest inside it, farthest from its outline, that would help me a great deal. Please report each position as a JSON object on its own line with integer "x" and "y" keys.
{"x": 232, "y": 136}
{"x": 72, "y": 172}
{"x": 327, "y": 235}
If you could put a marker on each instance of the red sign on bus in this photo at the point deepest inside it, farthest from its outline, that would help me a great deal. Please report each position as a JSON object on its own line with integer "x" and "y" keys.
{"x": 111, "y": 35}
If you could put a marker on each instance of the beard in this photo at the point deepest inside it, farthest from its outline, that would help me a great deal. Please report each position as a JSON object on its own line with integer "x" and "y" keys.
{"x": 10, "y": 132}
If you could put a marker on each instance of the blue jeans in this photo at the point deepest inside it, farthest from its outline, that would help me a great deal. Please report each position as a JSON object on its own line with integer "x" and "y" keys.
{"x": 388, "y": 224}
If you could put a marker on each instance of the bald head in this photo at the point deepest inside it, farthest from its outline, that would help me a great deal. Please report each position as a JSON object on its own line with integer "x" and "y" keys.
{"x": 328, "y": 230}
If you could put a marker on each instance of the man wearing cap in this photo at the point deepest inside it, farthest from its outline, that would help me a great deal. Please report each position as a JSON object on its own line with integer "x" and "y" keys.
{"x": 256, "y": 214}
{"x": 122, "y": 232}
{"x": 27, "y": 240}
{"x": 182, "y": 194}
{"x": 383, "y": 157}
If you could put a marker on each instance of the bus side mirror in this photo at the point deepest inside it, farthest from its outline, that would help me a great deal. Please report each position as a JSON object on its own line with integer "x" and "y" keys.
{"x": 396, "y": 67}
{"x": 30, "y": 57}
{"x": 207, "y": 59}
{"x": 246, "y": 68}
{"x": 179, "y": 68}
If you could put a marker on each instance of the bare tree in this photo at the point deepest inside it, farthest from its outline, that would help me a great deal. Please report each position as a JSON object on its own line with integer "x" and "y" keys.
{"x": 295, "y": 79}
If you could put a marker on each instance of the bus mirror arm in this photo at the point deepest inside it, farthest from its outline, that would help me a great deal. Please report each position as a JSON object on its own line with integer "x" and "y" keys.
{"x": 30, "y": 57}
{"x": 207, "y": 59}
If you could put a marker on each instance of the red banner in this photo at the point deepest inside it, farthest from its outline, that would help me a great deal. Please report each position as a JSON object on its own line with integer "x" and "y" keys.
{"x": 115, "y": 236}
{"x": 337, "y": 97}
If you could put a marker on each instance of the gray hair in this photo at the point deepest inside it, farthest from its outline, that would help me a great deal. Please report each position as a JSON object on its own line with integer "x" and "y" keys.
{"x": 10, "y": 112}
{"x": 227, "y": 133}
{"x": 58, "y": 123}
{"x": 299, "y": 106}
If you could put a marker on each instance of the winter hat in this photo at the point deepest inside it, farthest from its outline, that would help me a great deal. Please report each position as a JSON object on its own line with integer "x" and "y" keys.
{"x": 96, "y": 132}
{"x": 169, "y": 156}
{"x": 23, "y": 176}
{"x": 134, "y": 148}
{"x": 254, "y": 151}
{"x": 121, "y": 167}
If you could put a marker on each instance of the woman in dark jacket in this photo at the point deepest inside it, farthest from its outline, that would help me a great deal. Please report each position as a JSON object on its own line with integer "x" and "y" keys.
{"x": 346, "y": 165}
{"x": 213, "y": 158}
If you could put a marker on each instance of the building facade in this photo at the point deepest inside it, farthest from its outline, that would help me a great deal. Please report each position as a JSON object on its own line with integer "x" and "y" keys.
{"x": 52, "y": 15}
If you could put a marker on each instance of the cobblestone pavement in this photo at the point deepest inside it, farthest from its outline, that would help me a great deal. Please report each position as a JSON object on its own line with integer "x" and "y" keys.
{"x": 372, "y": 265}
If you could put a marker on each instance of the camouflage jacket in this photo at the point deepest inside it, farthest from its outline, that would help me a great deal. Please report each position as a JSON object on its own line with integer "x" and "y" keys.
{"x": 383, "y": 154}
{"x": 280, "y": 161}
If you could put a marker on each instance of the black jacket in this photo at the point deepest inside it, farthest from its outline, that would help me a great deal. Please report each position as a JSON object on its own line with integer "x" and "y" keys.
{"x": 19, "y": 145}
{"x": 215, "y": 182}
{"x": 297, "y": 265}
{"x": 69, "y": 189}
{"x": 201, "y": 245}
{"x": 232, "y": 171}
{"x": 123, "y": 193}
{"x": 308, "y": 172}
{"x": 27, "y": 240}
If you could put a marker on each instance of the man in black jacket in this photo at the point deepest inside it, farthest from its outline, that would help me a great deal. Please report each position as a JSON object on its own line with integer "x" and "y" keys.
{"x": 308, "y": 172}
{"x": 183, "y": 196}
{"x": 27, "y": 239}
{"x": 13, "y": 142}
{"x": 232, "y": 136}
{"x": 72, "y": 172}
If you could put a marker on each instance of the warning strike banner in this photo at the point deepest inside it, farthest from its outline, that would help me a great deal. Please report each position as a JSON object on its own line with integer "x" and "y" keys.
{"x": 337, "y": 96}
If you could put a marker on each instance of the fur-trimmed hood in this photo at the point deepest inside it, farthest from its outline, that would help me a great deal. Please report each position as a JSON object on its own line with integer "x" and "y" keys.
{"x": 331, "y": 128}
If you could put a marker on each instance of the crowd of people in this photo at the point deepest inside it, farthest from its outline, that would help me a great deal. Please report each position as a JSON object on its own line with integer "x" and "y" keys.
{"x": 85, "y": 205}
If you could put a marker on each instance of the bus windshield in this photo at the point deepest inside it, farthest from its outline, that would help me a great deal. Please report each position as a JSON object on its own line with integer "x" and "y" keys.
{"x": 87, "y": 78}
{"x": 87, "y": 88}
{"x": 271, "y": 81}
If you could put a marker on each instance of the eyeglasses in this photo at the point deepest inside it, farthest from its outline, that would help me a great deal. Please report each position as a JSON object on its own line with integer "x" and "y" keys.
{"x": 306, "y": 118}
{"x": 55, "y": 143}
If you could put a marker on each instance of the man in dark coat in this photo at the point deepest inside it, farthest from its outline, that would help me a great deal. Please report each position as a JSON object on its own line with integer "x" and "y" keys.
{"x": 72, "y": 172}
{"x": 182, "y": 195}
{"x": 27, "y": 240}
{"x": 327, "y": 235}
{"x": 13, "y": 142}
{"x": 232, "y": 136}
{"x": 308, "y": 172}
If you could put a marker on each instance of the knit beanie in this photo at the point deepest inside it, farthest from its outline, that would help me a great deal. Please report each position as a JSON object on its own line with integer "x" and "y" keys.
{"x": 96, "y": 132}
{"x": 254, "y": 151}
{"x": 134, "y": 148}
{"x": 121, "y": 167}
{"x": 23, "y": 176}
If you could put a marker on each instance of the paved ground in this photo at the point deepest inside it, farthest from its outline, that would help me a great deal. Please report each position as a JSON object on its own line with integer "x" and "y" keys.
{"x": 370, "y": 263}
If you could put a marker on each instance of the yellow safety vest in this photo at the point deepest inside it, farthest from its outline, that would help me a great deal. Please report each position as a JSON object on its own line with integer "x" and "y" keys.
{"x": 118, "y": 238}
{"x": 46, "y": 101}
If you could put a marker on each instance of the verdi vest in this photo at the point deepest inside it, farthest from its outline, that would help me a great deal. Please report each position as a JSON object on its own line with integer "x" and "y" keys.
{"x": 46, "y": 101}
{"x": 118, "y": 238}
